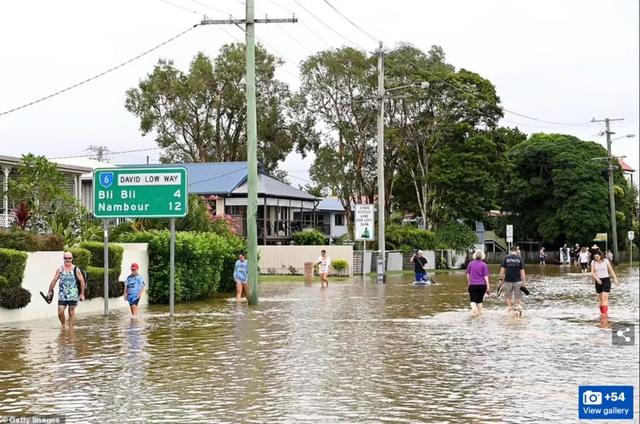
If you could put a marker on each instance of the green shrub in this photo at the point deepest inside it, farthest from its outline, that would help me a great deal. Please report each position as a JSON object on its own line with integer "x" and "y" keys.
{"x": 95, "y": 283}
{"x": 3, "y": 281}
{"x": 97, "y": 254}
{"x": 29, "y": 242}
{"x": 408, "y": 238}
{"x": 50, "y": 242}
{"x": 339, "y": 265}
{"x": 81, "y": 257}
{"x": 14, "y": 297}
{"x": 455, "y": 236}
{"x": 12, "y": 264}
{"x": 204, "y": 263}
{"x": 309, "y": 238}
{"x": 18, "y": 240}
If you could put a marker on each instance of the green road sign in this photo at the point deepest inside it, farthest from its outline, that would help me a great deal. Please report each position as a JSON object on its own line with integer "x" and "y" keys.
{"x": 151, "y": 192}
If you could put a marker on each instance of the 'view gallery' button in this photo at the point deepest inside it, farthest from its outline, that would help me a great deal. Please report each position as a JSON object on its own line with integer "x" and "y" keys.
{"x": 605, "y": 402}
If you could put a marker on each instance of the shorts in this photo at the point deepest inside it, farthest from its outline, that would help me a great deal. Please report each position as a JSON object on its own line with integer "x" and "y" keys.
{"x": 133, "y": 300}
{"x": 421, "y": 276}
{"x": 74, "y": 303}
{"x": 605, "y": 286}
{"x": 476, "y": 292}
{"x": 512, "y": 289}
{"x": 542, "y": 258}
{"x": 584, "y": 265}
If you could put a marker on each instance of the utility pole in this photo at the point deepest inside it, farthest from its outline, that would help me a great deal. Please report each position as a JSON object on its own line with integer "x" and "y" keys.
{"x": 612, "y": 199}
{"x": 252, "y": 139}
{"x": 381, "y": 265}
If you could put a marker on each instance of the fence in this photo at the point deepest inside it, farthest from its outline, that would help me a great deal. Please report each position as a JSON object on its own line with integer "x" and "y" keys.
{"x": 290, "y": 259}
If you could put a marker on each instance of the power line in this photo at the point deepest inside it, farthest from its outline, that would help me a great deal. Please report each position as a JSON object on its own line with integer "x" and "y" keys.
{"x": 110, "y": 153}
{"x": 462, "y": 90}
{"x": 311, "y": 30}
{"x": 218, "y": 176}
{"x": 328, "y": 26}
{"x": 41, "y": 99}
{"x": 375, "y": 40}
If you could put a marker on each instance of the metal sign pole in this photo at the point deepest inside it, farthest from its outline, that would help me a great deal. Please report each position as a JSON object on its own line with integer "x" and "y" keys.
{"x": 364, "y": 254}
{"x": 172, "y": 266}
{"x": 106, "y": 266}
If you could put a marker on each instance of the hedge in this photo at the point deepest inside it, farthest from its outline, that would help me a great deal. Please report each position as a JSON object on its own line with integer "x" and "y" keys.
{"x": 309, "y": 238}
{"x": 12, "y": 264}
{"x": 29, "y": 242}
{"x": 14, "y": 297}
{"x": 3, "y": 282}
{"x": 81, "y": 257}
{"x": 408, "y": 238}
{"x": 96, "y": 249}
{"x": 95, "y": 283}
{"x": 204, "y": 263}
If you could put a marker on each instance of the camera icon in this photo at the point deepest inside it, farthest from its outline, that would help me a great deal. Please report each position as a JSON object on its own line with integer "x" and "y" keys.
{"x": 591, "y": 398}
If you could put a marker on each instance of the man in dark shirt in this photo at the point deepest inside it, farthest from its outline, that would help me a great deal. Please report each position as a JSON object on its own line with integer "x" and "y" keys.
{"x": 419, "y": 267}
{"x": 512, "y": 276}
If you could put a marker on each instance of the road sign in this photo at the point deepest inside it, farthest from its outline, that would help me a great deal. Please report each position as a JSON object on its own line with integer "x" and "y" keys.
{"x": 601, "y": 237}
{"x": 630, "y": 235}
{"x": 509, "y": 233}
{"x": 152, "y": 192}
{"x": 364, "y": 222}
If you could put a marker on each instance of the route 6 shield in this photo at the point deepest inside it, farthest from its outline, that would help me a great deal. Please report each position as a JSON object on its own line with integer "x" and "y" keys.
{"x": 106, "y": 179}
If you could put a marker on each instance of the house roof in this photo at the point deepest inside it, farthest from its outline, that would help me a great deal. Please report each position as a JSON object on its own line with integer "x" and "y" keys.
{"x": 625, "y": 166}
{"x": 87, "y": 163}
{"x": 229, "y": 178}
{"x": 330, "y": 204}
{"x": 71, "y": 169}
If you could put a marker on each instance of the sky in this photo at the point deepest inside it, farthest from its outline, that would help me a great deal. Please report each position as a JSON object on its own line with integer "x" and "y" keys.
{"x": 559, "y": 62}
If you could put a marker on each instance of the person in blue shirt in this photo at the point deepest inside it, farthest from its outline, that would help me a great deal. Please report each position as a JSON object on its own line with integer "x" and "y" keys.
{"x": 133, "y": 289}
{"x": 241, "y": 277}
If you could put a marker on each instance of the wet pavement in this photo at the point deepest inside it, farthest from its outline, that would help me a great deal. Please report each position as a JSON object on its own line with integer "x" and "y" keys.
{"x": 356, "y": 352}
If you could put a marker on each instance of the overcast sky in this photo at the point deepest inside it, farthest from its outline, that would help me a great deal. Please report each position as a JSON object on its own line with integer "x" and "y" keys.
{"x": 560, "y": 61}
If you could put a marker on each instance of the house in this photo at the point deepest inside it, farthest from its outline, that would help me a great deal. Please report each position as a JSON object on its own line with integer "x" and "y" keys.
{"x": 10, "y": 170}
{"x": 224, "y": 186}
{"x": 627, "y": 170}
{"x": 329, "y": 217}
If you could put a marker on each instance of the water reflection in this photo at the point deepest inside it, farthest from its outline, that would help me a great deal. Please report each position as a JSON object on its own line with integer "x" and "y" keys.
{"x": 357, "y": 352}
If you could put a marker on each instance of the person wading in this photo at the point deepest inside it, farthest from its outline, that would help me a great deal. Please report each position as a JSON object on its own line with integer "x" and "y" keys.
{"x": 602, "y": 271}
{"x": 512, "y": 277}
{"x": 69, "y": 293}
{"x": 478, "y": 281}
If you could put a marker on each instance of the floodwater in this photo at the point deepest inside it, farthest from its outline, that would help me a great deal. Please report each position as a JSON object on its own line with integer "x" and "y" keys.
{"x": 356, "y": 352}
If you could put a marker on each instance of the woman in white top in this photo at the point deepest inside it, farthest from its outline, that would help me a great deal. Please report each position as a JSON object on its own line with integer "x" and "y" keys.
{"x": 324, "y": 262}
{"x": 583, "y": 258}
{"x": 602, "y": 271}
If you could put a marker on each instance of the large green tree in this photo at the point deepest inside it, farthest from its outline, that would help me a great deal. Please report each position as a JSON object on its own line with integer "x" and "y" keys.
{"x": 200, "y": 115}
{"x": 556, "y": 190}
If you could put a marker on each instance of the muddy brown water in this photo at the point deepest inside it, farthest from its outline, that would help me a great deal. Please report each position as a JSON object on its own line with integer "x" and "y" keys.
{"x": 356, "y": 352}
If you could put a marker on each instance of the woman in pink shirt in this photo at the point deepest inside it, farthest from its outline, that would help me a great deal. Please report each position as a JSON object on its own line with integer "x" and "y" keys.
{"x": 478, "y": 280}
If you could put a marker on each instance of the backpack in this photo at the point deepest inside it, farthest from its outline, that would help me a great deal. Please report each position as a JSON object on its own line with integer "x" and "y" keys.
{"x": 84, "y": 276}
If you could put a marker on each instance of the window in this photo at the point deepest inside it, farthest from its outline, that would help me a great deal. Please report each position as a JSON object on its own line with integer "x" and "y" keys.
{"x": 235, "y": 210}
{"x": 339, "y": 219}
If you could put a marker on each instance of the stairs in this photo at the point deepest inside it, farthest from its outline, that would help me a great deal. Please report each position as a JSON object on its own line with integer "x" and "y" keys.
{"x": 499, "y": 242}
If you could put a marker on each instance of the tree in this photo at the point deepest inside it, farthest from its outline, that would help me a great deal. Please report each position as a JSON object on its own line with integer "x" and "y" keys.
{"x": 337, "y": 90}
{"x": 200, "y": 116}
{"x": 557, "y": 192}
{"x": 429, "y": 128}
{"x": 40, "y": 195}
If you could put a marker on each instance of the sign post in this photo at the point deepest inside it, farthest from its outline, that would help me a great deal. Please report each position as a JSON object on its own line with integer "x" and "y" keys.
{"x": 509, "y": 236}
{"x": 363, "y": 228}
{"x": 630, "y": 236}
{"x": 140, "y": 192}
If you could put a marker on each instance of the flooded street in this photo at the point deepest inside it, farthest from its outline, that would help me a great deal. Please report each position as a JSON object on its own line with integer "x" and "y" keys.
{"x": 356, "y": 352}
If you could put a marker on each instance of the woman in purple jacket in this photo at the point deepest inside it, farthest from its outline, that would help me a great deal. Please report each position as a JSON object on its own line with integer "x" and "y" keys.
{"x": 478, "y": 280}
